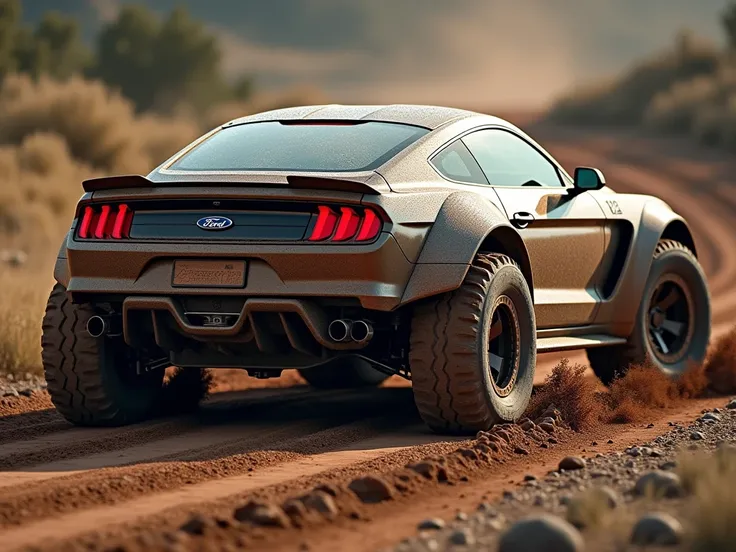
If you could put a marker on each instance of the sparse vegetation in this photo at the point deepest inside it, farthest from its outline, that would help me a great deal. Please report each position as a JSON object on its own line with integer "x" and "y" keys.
{"x": 689, "y": 89}
{"x": 709, "y": 478}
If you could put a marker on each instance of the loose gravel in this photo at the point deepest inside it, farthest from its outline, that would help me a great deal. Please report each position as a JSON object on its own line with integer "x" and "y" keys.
{"x": 23, "y": 385}
{"x": 558, "y": 507}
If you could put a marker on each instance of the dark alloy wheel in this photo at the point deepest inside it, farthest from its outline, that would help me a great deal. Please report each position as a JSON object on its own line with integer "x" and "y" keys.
{"x": 473, "y": 351}
{"x": 672, "y": 326}
{"x": 503, "y": 346}
{"x": 670, "y": 314}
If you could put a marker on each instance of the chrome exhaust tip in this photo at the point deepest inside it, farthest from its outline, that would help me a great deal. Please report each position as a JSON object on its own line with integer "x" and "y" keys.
{"x": 361, "y": 331}
{"x": 339, "y": 330}
{"x": 97, "y": 326}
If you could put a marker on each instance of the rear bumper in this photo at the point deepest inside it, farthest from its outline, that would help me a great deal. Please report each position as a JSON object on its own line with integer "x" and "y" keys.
{"x": 375, "y": 275}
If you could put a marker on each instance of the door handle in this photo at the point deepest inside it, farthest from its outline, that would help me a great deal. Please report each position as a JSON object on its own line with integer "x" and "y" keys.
{"x": 522, "y": 219}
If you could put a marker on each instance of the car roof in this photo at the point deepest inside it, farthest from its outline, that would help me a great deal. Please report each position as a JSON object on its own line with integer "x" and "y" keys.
{"x": 428, "y": 116}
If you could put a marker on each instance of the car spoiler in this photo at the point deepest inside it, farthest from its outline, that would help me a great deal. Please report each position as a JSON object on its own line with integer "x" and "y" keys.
{"x": 299, "y": 182}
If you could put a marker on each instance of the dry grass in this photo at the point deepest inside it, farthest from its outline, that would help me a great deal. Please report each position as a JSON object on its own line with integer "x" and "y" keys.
{"x": 710, "y": 479}
{"x": 571, "y": 392}
{"x": 720, "y": 365}
{"x": 22, "y": 303}
{"x": 644, "y": 387}
{"x": 591, "y": 509}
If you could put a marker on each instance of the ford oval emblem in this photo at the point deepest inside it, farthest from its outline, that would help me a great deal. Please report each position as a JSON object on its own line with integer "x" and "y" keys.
{"x": 214, "y": 223}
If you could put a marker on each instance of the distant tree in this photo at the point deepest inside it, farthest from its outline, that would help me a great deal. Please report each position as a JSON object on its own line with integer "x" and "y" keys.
{"x": 126, "y": 54}
{"x": 728, "y": 19}
{"x": 10, "y": 15}
{"x": 161, "y": 65}
{"x": 54, "y": 48}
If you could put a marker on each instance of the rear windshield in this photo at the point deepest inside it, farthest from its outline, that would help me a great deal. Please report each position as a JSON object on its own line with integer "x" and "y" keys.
{"x": 300, "y": 146}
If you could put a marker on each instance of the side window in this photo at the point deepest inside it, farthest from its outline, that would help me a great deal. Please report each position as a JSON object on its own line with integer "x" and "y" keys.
{"x": 508, "y": 160}
{"x": 456, "y": 163}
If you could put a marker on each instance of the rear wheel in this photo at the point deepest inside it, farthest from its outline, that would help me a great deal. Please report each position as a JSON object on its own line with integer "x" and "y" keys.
{"x": 92, "y": 381}
{"x": 473, "y": 351}
{"x": 672, "y": 325}
{"x": 343, "y": 373}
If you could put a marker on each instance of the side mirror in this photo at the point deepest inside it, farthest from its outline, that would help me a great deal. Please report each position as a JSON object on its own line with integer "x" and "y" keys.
{"x": 588, "y": 178}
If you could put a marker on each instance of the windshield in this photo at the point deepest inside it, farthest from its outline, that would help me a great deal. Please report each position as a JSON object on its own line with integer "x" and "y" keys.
{"x": 300, "y": 146}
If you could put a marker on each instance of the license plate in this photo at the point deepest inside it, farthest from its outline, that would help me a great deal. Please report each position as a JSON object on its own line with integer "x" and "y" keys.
{"x": 221, "y": 274}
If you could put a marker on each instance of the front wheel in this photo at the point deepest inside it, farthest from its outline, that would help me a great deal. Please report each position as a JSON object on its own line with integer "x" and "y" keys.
{"x": 672, "y": 326}
{"x": 473, "y": 351}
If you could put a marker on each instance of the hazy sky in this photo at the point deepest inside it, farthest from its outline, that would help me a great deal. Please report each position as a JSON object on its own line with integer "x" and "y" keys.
{"x": 465, "y": 52}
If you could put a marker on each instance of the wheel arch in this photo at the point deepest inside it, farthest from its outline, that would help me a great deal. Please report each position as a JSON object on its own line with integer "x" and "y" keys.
{"x": 679, "y": 231}
{"x": 507, "y": 241}
{"x": 467, "y": 223}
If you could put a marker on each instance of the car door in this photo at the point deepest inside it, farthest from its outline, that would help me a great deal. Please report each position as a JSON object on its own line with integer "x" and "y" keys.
{"x": 563, "y": 232}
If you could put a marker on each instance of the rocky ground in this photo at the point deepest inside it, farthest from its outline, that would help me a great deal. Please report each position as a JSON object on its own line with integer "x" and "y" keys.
{"x": 21, "y": 384}
{"x": 643, "y": 492}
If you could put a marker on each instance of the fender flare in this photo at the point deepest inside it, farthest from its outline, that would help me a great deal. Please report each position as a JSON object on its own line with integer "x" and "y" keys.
{"x": 465, "y": 224}
{"x": 658, "y": 221}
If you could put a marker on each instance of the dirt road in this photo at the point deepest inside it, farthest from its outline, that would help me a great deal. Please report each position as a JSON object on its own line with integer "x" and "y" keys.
{"x": 62, "y": 485}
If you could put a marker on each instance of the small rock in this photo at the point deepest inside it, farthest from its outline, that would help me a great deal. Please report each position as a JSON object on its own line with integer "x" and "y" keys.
{"x": 262, "y": 513}
{"x": 528, "y": 425}
{"x": 431, "y": 524}
{"x": 295, "y": 509}
{"x": 26, "y": 392}
{"x": 731, "y": 405}
{"x": 321, "y": 502}
{"x": 461, "y": 516}
{"x": 571, "y": 463}
{"x": 426, "y": 468}
{"x": 710, "y": 416}
{"x": 521, "y": 450}
{"x": 548, "y": 533}
{"x": 658, "y": 529}
{"x": 486, "y": 508}
{"x": 462, "y": 537}
{"x": 669, "y": 465}
{"x": 696, "y": 436}
{"x": 196, "y": 525}
{"x": 547, "y": 427}
{"x": 530, "y": 477}
{"x": 660, "y": 484}
{"x": 634, "y": 452}
{"x": 610, "y": 441}
{"x": 371, "y": 489}
{"x": 328, "y": 488}
{"x": 12, "y": 392}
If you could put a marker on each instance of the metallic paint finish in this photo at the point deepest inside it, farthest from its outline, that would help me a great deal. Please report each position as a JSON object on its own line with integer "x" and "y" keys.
{"x": 436, "y": 229}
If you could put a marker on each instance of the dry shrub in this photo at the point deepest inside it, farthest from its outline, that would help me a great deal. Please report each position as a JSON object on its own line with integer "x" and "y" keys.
{"x": 592, "y": 508}
{"x": 99, "y": 126}
{"x": 22, "y": 303}
{"x": 720, "y": 365}
{"x": 644, "y": 387}
{"x": 568, "y": 389}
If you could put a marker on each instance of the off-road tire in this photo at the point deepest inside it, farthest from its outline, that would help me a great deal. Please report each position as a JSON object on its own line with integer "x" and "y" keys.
{"x": 453, "y": 386}
{"x": 86, "y": 375}
{"x": 670, "y": 257}
{"x": 343, "y": 373}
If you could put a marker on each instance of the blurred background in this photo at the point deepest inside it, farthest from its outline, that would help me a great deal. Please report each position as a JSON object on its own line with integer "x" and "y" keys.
{"x": 94, "y": 87}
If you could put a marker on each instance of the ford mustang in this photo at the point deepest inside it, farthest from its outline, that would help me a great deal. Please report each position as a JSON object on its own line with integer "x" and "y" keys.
{"x": 353, "y": 243}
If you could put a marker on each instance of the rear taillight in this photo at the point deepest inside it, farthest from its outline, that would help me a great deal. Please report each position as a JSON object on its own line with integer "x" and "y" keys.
{"x": 345, "y": 224}
{"x": 106, "y": 222}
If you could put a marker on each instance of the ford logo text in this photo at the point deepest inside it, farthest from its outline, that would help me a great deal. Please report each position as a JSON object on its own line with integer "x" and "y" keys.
{"x": 214, "y": 223}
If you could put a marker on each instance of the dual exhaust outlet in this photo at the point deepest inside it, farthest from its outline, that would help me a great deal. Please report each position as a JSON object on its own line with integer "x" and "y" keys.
{"x": 342, "y": 330}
